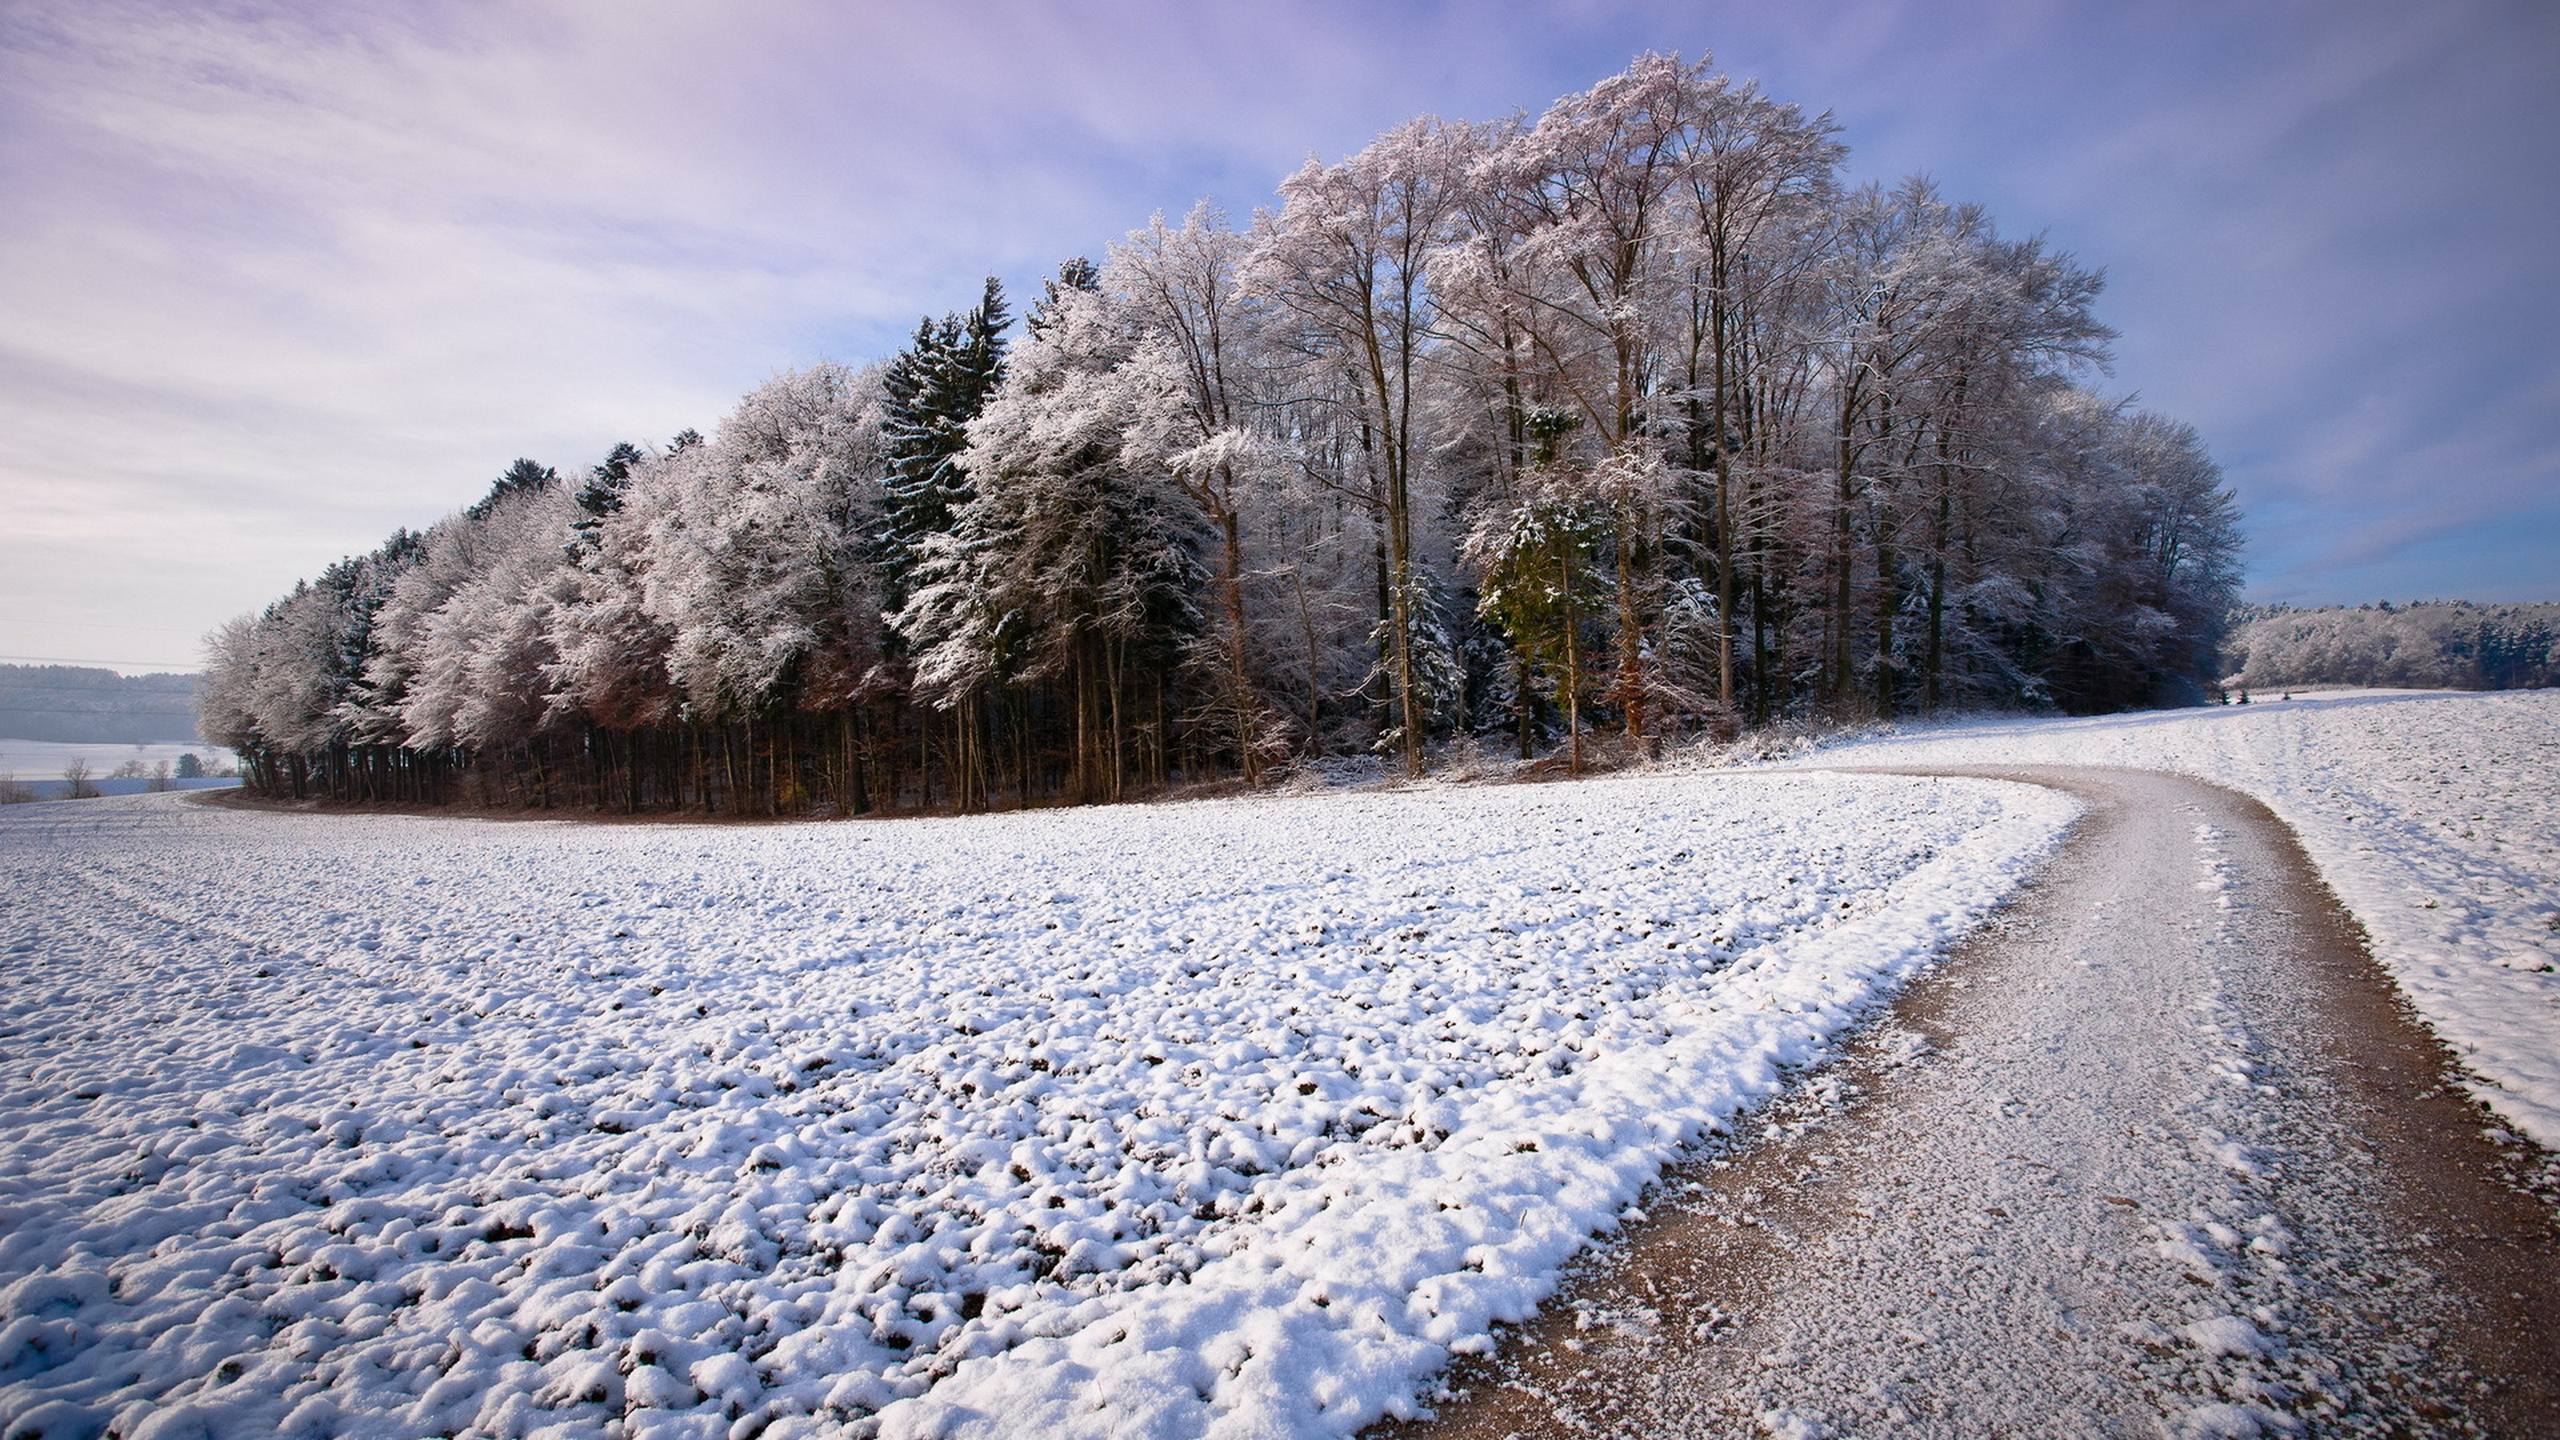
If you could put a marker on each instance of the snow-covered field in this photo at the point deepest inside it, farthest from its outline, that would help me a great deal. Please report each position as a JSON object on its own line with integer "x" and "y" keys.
{"x": 109, "y": 785}
{"x": 2435, "y": 816}
{"x": 1229, "y": 1118}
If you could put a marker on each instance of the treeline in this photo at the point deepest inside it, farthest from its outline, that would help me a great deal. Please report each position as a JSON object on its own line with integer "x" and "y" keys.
{"x": 1575, "y": 434}
{"x": 2437, "y": 644}
{"x": 83, "y": 704}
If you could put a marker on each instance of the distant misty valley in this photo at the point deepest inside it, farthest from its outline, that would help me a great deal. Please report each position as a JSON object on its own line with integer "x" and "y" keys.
{"x": 80, "y": 704}
{"x": 71, "y": 732}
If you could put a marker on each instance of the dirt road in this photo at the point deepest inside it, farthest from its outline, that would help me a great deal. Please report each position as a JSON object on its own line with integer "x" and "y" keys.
{"x": 2158, "y": 1153}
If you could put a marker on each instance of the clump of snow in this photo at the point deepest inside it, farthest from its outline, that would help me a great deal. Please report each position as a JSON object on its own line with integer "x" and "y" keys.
{"x": 2225, "y": 1421}
{"x": 1219, "y": 1118}
{"x": 2225, "y": 1335}
{"x": 1792, "y": 1425}
{"x": 2435, "y": 817}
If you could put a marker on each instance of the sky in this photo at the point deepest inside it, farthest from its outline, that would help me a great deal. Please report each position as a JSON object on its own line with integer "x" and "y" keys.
{"x": 277, "y": 279}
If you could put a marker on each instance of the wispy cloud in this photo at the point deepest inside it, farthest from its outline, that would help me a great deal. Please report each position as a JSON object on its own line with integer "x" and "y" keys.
{"x": 275, "y": 279}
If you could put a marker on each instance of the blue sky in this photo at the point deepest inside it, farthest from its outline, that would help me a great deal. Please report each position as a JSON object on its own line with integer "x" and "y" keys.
{"x": 276, "y": 279}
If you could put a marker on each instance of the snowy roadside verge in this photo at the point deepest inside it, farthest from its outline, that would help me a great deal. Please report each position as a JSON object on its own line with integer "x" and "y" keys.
{"x": 331, "y": 1122}
{"x": 2434, "y": 815}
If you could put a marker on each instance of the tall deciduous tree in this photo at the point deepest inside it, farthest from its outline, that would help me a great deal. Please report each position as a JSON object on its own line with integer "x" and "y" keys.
{"x": 1626, "y": 418}
{"x": 1349, "y": 257}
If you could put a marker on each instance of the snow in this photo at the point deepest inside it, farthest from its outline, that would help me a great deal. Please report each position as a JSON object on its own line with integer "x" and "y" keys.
{"x": 1230, "y": 1118}
{"x": 2435, "y": 816}
{"x": 2226, "y": 1335}
{"x": 110, "y": 785}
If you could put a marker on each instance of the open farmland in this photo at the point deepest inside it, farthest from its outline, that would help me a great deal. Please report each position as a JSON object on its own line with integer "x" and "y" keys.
{"x": 1236, "y": 1114}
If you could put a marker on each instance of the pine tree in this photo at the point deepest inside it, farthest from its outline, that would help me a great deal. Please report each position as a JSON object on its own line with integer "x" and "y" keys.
{"x": 521, "y": 476}
{"x": 602, "y": 493}
{"x": 907, "y": 439}
{"x": 933, "y": 391}
{"x": 1076, "y": 562}
{"x": 1076, "y": 274}
{"x": 1543, "y": 585}
{"x": 981, "y": 356}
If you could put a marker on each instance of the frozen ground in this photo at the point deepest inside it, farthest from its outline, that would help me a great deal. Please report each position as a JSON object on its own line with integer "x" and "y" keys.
{"x": 1207, "y": 1119}
{"x": 2435, "y": 817}
{"x": 2156, "y": 1154}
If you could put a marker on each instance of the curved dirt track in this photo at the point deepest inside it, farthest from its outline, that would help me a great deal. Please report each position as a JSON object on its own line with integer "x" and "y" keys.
{"x": 2159, "y": 1152}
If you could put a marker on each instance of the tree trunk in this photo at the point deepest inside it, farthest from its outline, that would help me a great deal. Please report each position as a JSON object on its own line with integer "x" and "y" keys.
{"x": 1630, "y": 688}
{"x": 1724, "y": 480}
{"x": 1231, "y": 594}
{"x": 1843, "y": 560}
{"x": 1572, "y": 665}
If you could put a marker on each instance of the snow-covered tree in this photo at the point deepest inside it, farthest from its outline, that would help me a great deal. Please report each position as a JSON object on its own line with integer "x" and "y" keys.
{"x": 1076, "y": 560}
{"x": 1184, "y": 291}
{"x": 1349, "y": 259}
{"x": 1629, "y": 417}
{"x": 930, "y": 393}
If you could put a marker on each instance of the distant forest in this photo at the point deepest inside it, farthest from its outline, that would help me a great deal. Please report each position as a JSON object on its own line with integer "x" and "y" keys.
{"x": 2449, "y": 644}
{"x": 1565, "y": 435}
{"x": 77, "y": 704}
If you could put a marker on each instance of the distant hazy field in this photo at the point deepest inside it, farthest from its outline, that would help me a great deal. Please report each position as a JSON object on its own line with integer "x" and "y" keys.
{"x": 44, "y": 759}
{"x": 39, "y": 764}
{"x": 59, "y": 789}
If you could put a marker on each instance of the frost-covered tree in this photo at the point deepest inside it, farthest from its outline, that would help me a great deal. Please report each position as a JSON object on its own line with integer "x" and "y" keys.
{"x": 1076, "y": 560}
{"x": 480, "y": 653}
{"x": 1541, "y": 582}
{"x": 2447, "y": 644}
{"x": 1622, "y": 421}
{"x": 1757, "y": 174}
{"x": 1349, "y": 259}
{"x": 601, "y": 494}
{"x": 930, "y": 393}
{"x": 1184, "y": 291}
